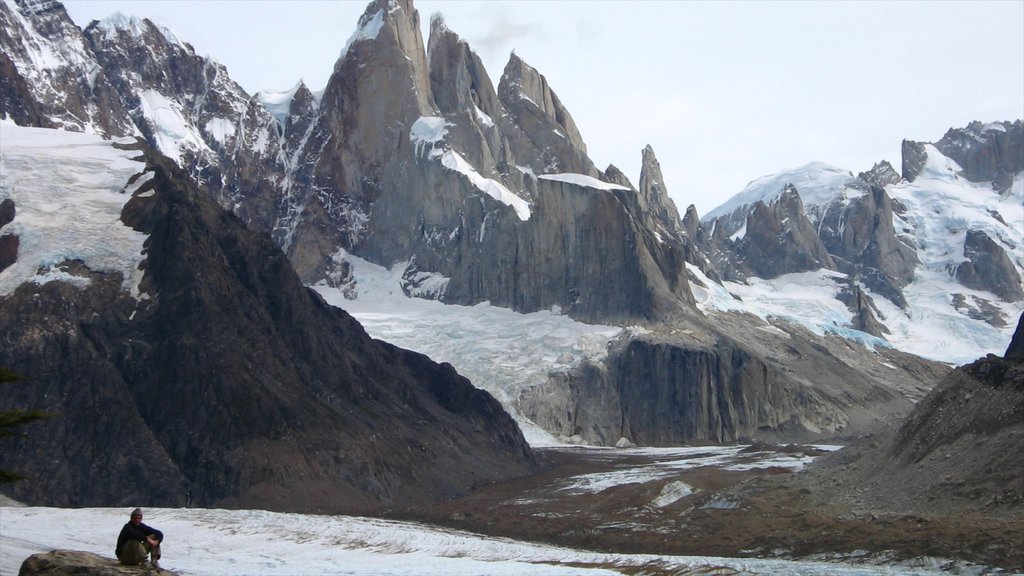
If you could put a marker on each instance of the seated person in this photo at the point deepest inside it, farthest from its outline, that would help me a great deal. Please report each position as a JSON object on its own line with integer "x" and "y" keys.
{"x": 137, "y": 541}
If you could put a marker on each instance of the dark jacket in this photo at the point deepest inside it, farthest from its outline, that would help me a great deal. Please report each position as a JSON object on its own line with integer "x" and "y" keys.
{"x": 138, "y": 533}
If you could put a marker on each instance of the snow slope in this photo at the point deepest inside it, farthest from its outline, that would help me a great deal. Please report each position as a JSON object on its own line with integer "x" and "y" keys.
{"x": 501, "y": 351}
{"x": 817, "y": 182}
{"x": 68, "y": 189}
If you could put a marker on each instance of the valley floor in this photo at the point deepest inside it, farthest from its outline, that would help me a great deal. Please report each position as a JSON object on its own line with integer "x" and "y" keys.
{"x": 690, "y": 501}
{"x": 590, "y": 511}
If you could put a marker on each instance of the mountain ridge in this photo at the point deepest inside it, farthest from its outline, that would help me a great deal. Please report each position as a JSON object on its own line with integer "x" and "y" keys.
{"x": 486, "y": 194}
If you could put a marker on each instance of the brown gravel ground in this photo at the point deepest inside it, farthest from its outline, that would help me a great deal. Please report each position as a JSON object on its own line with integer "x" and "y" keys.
{"x": 758, "y": 513}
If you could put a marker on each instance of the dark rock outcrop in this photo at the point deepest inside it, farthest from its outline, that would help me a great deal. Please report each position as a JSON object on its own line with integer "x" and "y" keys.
{"x": 865, "y": 314}
{"x": 882, "y": 174}
{"x": 780, "y": 239}
{"x": 987, "y": 152}
{"x": 1015, "y": 351}
{"x": 988, "y": 268}
{"x": 231, "y": 384}
{"x": 77, "y": 563}
{"x": 861, "y": 237}
{"x": 8, "y": 242}
{"x": 914, "y": 157}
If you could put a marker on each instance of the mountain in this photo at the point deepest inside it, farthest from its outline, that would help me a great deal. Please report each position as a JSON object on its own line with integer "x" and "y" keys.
{"x": 788, "y": 317}
{"x": 126, "y": 76}
{"x": 189, "y": 365}
{"x": 929, "y": 261}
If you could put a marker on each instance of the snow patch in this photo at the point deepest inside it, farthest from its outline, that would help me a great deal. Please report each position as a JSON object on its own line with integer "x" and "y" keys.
{"x": 220, "y": 129}
{"x": 428, "y": 132}
{"x": 672, "y": 493}
{"x": 172, "y": 132}
{"x": 454, "y": 161}
{"x": 582, "y": 180}
{"x": 367, "y": 30}
{"x": 278, "y": 103}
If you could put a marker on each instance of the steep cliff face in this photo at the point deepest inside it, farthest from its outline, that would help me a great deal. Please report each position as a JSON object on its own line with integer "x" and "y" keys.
{"x": 715, "y": 381}
{"x": 225, "y": 382}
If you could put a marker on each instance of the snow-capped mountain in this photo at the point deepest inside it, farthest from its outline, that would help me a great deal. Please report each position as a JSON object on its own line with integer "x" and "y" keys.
{"x": 931, "y": 262}
{"x": 187, "y": 361}
{"x": 412, "y": 160}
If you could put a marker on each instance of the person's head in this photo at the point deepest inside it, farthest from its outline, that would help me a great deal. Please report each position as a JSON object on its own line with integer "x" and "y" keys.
{"x": 137, "y": 516}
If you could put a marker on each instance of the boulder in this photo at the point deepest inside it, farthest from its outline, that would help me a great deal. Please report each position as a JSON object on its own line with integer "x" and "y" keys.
{"x": 78, "y": 563}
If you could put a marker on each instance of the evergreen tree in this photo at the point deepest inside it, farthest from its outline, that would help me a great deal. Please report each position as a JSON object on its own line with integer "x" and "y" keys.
{"x": 14, "y": 418}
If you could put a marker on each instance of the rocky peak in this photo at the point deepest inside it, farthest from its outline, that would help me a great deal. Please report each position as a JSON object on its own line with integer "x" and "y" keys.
{"x": 691, "y": 221}
{"x": 882, "y": 174}
{"x": 50, "y": 77}
{"x": 780, "y": 239}
{"x": 860, "y": 235}
{"x": 549, "y": 141}
{"x": 914, "y": 158}
{"x": 475, "y": 119}
{"x": 522, "y": 81}
{"x": 990, "y": 152}
{"x": 656, "y": 206}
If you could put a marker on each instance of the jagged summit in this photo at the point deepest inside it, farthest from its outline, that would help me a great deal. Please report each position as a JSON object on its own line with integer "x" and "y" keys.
{"x": 119, "y": 22}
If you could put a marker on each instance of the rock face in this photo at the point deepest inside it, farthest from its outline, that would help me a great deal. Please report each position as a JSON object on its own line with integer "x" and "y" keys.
{"x": 780, "y": 239}
{"x": 459, "y": 190}
{"x": 987, "y": 152}
{"x": 231, "y": 384}
{"x": 717, "y": 380}
{"x": 861, "y": 237}
{"x": 989, "y": 268}
{"x": 76, "y": 563}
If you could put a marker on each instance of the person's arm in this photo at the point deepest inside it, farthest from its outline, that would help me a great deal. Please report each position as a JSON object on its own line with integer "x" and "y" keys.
{"x": 150, "y": 531}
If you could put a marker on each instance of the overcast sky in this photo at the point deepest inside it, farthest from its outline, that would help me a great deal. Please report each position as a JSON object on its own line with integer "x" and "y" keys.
{"x": 725, "y": 92}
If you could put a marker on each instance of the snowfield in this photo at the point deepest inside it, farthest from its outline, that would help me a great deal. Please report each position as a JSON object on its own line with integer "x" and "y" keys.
{"x": 215, "y": 542}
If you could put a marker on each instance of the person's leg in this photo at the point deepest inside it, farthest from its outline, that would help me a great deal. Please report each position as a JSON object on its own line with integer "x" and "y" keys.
{"x": 154, "y": 553}
{"x": 133, "y": 553}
